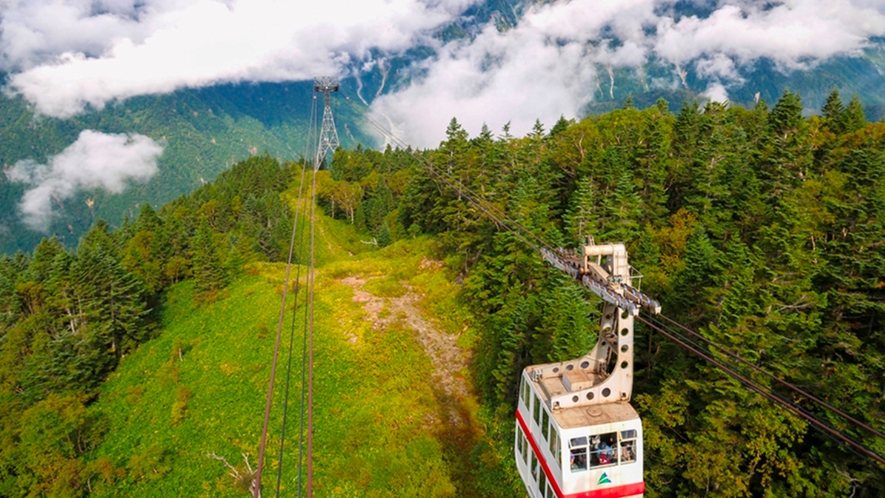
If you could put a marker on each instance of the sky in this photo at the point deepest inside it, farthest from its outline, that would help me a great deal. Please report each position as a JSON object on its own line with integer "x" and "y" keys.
{"x": 67, "y": 57}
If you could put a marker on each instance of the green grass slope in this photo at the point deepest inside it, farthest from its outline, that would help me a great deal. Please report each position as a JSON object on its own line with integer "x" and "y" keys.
{"x": 393, "y": 411}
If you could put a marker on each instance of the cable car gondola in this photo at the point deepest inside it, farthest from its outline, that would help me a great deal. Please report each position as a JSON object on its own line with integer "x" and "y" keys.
{"x": 576, "y": 433}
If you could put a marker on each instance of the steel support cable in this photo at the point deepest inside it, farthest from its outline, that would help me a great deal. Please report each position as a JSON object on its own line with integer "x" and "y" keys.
{"x": 311, "y": 273}
{"x": 292, "y": 328}
{"x": 256, "y": 492}
{"x": 773, "y": 377}
{"x": 256, "y": 483}
{"x": 289, "y": 357}
{"x": 751, "y": 385}
{"x": 771, "y": 396}
{"x": 304, "y": 345}
{"x": 832, "y": 434}
{"x": 302, "y": 405}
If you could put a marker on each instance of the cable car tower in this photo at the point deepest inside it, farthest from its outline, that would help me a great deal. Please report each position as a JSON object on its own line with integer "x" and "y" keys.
{"x": 328, "y": 134}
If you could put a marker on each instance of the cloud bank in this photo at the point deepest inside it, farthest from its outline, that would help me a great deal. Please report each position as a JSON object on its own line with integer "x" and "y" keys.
{"x": 67, "y": 56}
{"x": 549, "y": 64}
{"x": 95, "y": 160}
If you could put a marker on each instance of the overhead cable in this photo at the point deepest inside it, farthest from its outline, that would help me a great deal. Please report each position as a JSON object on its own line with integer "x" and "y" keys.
{"x": 807, "y": 416}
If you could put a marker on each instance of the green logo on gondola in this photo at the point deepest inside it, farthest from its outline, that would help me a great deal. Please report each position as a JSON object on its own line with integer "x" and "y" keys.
{"x": 603, "y": 479}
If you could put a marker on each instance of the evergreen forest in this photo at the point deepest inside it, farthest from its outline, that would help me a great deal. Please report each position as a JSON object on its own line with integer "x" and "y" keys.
{"x": 760, "y": 228}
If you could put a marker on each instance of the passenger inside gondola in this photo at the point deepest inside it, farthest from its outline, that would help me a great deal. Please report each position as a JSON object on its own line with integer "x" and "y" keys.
{"x": 605, "y": 451}
{"x": 578, "y": 459}
{"x": 578, "y": 454}
{"x": 602, "y": 450}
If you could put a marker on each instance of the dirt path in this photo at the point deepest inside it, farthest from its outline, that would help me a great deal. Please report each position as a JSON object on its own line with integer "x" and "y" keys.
{"x": 457, "y": 433}
{"x": 449, "y": 360}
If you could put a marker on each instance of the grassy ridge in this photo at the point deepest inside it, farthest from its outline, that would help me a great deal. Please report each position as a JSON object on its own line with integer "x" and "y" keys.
{"x": 383, "y": 422}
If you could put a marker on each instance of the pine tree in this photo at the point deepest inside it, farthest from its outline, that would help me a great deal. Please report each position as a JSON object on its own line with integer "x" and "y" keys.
{"x": 456, "y": 137}
{"x": 834, "y": 113}
{"x": 208, "y": 267}
{"x": 662, "y": 106}
{"x": 696, "y": 277}
{"x": 485, "y": 134}
{"x": 384, "y": 236}
{"x": 854, "y": 115}
{"x": 537, "y": 130}
{"x": 41, "y": 261}
{"x": 567, "y": 321}
{"x": 623, "y": 212}
{"x": 655, "y": 162}
{"x": 579, "y": 219}
{"x": 112, "y": 299}
{"x": 786, "y": 156}
{"x": 685, "y": 143}
{"x": 561, "y": 125}
{"x": 9, "y": 301}
{"x": 786, "y": 117}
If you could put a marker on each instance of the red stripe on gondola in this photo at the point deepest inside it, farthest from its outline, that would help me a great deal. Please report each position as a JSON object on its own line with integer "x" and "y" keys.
{"x": 539, "y": 456}
{"x": 637, "y": 488}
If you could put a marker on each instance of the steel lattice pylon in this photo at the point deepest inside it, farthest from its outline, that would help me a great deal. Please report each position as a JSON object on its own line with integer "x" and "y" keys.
{"x": 328, "y": 135}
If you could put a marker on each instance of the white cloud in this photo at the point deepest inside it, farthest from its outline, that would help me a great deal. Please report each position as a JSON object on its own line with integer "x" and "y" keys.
{"x": 545, "y": 68}
{"x": 95, "y": 160}
{"x": 716, "y": 92}
{"x": 65, "y": 56}
{"x": 88, "y": 56}
{"x": 35, "y": 32}
{"x": 541, "y": 69}
{"x": 718, "y": 66}
{"x": 788, "y": 33}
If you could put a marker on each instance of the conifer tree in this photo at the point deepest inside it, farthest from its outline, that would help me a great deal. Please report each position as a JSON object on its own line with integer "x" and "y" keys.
{"x": 41, "y": 261}
{"x": 208, "y": 267}
{"x": 834, "y": 113}
{"x": 579, "y": 219}
{"x": 567, "y": 321}
{"x": 786, "y": 117}
{"x": 697, "y": 275}
{"x": 561, "y": 125}
{"x": 655, "y": 161}
{"x": 9, "y": 303}
{"x": 622, "y": 212}
{"x": 786, "y": 156}
{"x": 854, "y": 115}
{"x": 537, "y": 130}
{"x": 112, "y": 303}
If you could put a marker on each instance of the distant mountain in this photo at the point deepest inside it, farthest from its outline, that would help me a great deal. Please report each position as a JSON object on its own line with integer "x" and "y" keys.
{"x": 862, "y": 75}
{"x": 204, "y": 132}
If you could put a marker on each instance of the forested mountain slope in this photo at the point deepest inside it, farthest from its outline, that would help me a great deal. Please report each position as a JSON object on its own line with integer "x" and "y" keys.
{"x": 760, "y": 228}
{"x": 203, "y": 132}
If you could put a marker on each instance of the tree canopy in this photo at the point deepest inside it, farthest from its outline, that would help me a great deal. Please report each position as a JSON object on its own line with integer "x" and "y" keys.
{"x": 760, "y": 228}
